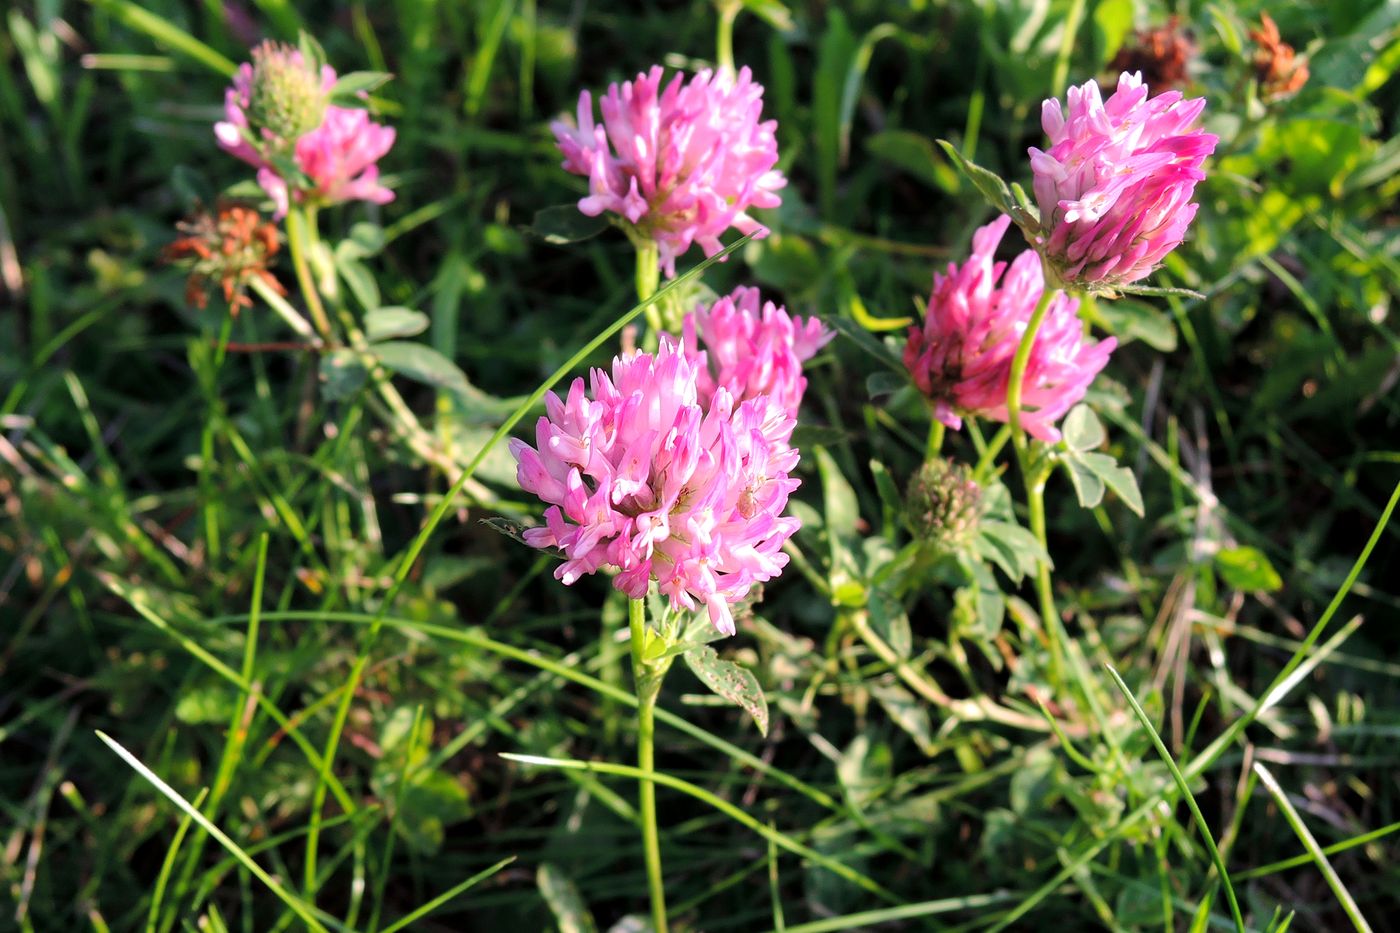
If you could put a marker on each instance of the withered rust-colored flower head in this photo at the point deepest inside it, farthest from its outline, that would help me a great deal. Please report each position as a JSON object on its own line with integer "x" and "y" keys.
{"x": 230, "y": 246}
{"x": 1279, "y": 70}
{"x": 1163, "y": 55}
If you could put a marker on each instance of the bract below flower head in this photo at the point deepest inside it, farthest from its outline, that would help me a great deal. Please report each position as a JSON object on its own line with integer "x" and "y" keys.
{"x": 681, "y": 164}
{"x": 328, "y": 161}
{"x": 752, "y": 347}
{"x": 1115, "y": 186}
{"x": 641, "y": 477}
{"x": 962, "y": 354}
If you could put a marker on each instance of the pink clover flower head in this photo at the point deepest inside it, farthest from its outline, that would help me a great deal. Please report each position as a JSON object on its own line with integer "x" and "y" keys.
{"x": 961, "y": 357}
{"x": 640, "y": 477}
{"x": 752, "y": 347}
{"x": 1114, "y": 188}
{"x": 681, "y": 164}
{"x": 277, "y": 118}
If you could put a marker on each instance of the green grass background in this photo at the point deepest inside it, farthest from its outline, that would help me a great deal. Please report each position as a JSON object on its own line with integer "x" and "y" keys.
{"x": 192, "y": 549}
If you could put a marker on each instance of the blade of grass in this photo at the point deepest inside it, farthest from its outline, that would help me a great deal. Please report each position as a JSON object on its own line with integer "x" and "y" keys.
{"x": 292, "y": 902}
{"x": 775, "y": 887}
{"x": 363, "y": 823}
{"x": 1073, "y": 18}
{"x": 167, "y": 865}
{"x": 1273, "y": 867}
{"x": 240, "y": 720}
{"x": 868, "y": 918}
{"x": 133, "y": 597}
{"x": 1298, "y": 860}
{"x": 1272, "y": 696}
{"x": 492, "y": 30}
{"x": 1305, "y": 836}
{"x": 165, "y": 33}
{"x": 449, "y": 894}
{"x": 478, "y": 640}
{"x": 1208, "y": 756}
{"x": 283, "y": 15}
{"x": 838, "y": 868}
{"x": 1206, "y": 836}
{"x": 386, "y": 857}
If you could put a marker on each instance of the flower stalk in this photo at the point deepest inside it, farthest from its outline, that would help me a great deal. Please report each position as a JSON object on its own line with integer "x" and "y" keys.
{"x": 1015, "y": 385}
{"x": 648, "y": 279}
{"x": 724, "y": 36}
{"x": 301, "y": 222}
{"x": 1034, "y": 472}
{"x": 283, "y": 309}
{"x": 935, "y": 436}
{"x": 1045, "y": 594}
{"x": 647, "y": 676}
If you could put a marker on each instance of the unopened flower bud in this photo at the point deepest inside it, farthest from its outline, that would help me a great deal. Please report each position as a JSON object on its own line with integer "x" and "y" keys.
{"x": 278, "y": 117}
{"x": 228, "y": 247}
{"x": 288, "y": 98}
{"x": 943, "y": 504}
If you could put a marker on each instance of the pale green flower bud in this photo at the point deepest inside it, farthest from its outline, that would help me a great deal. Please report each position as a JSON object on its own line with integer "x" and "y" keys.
{"x": 287, "y": 98}
{"x": 943, "y": 505}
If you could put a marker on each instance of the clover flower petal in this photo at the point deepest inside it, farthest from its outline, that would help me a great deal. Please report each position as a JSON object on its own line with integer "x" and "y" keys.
{"x": 681, "y": 163}
{"x": 642, "y": 476}
{"x": 961, "y": 356}
{"x": 1115, "y": 185}
{"x": 752, "y": 347}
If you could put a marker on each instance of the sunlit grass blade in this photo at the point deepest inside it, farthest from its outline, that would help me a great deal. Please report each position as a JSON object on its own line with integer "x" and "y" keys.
{"x": 1275, "y": 867}
{"x": 294, "y": 903}
{"x": 1206, "y": 836}
{"x": 1305, "y": 836}
{"x": 603, "y": 689}
{"x": 835, "y": 866}
{"x": 167, "y": 865}
{"x": 166, "y": 33}
{"x": 453, "y": 892}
